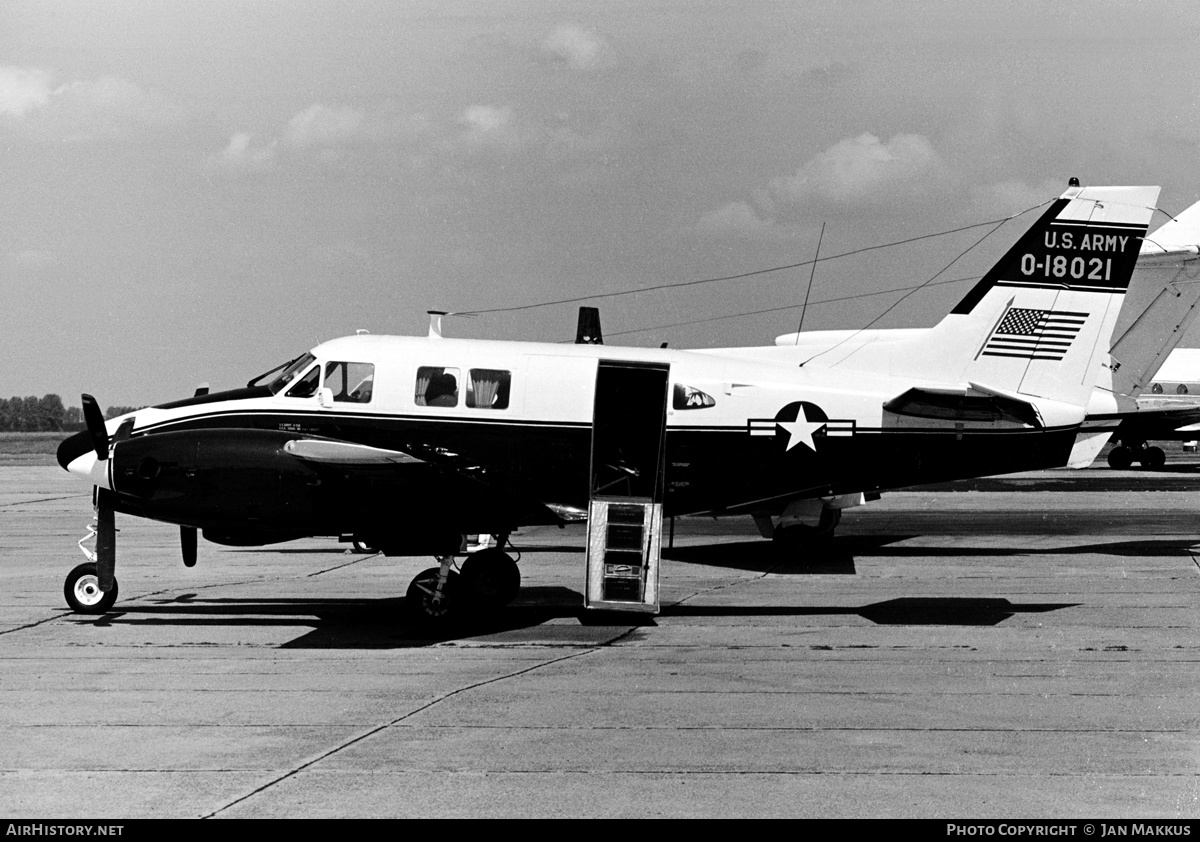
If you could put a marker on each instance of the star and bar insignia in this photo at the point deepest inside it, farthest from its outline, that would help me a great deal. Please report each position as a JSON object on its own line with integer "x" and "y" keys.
{"x": 800, "y": 423}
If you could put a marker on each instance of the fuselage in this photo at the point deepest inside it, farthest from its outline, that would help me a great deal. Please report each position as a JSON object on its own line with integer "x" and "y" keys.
{"x": 743, "y": 434}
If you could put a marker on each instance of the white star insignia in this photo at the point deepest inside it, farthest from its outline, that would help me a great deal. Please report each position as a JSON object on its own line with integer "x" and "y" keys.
{"x": 801, "y": 431}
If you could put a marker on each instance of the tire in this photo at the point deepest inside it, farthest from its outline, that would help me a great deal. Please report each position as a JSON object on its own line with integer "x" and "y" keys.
{"x": 1153, "y": 458}
{"x": 420, "y": 596}
{"x": 490, "y": 578}
{"x": 364, "y": 547}
{"x": 1120, "y": 458}
{"x": 82, "y": 590}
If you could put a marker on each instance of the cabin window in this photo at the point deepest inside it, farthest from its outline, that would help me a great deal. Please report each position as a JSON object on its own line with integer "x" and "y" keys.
{"x": 306, "y": 386}
{"x": 488, "y": 388}
{"x": 687, "y": 397}
{"x": 1156, "y": 388}
{"x": 436, "y": 386}
{"x": 350, "y": 382}
{"x": 1181, "y": 389}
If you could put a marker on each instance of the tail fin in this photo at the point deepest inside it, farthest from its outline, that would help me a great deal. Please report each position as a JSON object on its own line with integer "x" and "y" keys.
{"x": 1040, "y": 321}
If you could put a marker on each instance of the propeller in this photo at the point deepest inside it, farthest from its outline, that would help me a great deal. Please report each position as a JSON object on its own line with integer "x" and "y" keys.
{"x": 94, "y": 419}
{"x": 106, "y": 526}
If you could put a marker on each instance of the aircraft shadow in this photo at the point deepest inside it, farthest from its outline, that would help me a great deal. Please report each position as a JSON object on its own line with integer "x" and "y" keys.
{"x": 902, "y": 611}
{"x": 759, "y": 556}
{"x": 839, "y": 558}
{"x": 364, "y": 623}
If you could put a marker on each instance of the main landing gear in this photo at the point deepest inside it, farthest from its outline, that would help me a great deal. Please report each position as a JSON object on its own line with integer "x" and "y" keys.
{"x": 487, "y": 581}
{"x": 1123, "y": 456}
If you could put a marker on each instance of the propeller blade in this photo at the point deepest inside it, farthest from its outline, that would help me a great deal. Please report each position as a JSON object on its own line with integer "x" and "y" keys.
{"x": 94, "y": 419}
{"x": 187, "y": 538}
{"x": 124, "y": 431}
{"x": 106, "y": 540}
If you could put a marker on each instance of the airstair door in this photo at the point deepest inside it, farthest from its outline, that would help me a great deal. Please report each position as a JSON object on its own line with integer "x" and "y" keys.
{"x": 625, "y": 508}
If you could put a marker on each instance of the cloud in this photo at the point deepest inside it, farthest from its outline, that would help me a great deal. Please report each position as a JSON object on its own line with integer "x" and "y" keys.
{"x": 576, "y": 47}
{"x": 853, "y": 172}
{"x": 735, "y": 218}
{"x": 318, "y": 127}
{"x": 321, "y": 125}
{"x": 855, "y": 169}
{"x": 242, "y": 154}
{"x": 106, "y": 108}
{"x": 490, "y": 127}
{"x": 34, "y": 259}
{"x": 1017, "y": 195}
{"x": 23, "y": 89}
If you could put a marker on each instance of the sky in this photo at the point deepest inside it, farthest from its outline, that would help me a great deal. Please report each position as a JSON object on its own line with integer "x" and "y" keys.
{"x": 197, "y": 191}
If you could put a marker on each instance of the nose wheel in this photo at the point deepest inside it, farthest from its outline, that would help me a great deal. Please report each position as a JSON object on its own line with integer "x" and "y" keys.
{"x": 82, "y": 590}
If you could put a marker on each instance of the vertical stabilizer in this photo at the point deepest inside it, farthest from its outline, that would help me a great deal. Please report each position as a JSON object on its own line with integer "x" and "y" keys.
{"x": 1041, "y": 320}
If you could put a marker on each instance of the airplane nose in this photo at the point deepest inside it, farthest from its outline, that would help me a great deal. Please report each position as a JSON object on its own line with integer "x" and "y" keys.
{"x": 72, "y": 448}
{"x": 78, "y": 457}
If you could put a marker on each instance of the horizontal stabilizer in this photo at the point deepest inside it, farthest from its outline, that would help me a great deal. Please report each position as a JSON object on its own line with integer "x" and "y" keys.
{"x": 966, "y": 404}
{"x": 345, "y": 453}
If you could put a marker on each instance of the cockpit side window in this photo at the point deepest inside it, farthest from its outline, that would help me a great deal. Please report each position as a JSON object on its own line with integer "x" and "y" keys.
{"x": 306, "y": 386}
{"x": 350, "y": 382}
{"x": 436, "y": 386}
{"x": 289, "y": 371}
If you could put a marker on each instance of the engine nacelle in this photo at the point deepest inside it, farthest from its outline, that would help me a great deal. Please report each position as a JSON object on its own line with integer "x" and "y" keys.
{"x": 218, "y": 478}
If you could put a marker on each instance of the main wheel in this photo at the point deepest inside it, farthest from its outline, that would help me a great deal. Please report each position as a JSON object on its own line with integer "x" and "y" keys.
{"x": 1153, "y": 458}
{"x": 491, "y": 578}
{"x": 82, "y": 590}
{"x": 799, "y": 540}
{"x": 421, "y": 592}
{"x": 1120, "y": 458}
{"x": 364, "y": 547}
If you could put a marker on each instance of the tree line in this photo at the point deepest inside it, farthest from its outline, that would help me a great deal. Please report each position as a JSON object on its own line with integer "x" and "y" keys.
{"x": 46, "y": 414}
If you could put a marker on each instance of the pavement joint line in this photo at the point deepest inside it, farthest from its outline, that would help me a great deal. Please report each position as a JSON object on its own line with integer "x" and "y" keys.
{"x": 337, "y": 566}
{"x": 379, "y": 728}
{"x": 37, "y": 623}
{"x": 42, "y": 500}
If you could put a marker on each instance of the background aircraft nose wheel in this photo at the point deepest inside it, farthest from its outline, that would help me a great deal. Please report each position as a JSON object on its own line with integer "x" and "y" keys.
{"x": 491, "y": 578}
{"x": 82, "y": 590}
{"x": 423, "y": 590}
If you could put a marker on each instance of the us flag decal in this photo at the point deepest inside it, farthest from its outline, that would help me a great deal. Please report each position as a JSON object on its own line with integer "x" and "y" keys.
{"x": 1034, "y": 334}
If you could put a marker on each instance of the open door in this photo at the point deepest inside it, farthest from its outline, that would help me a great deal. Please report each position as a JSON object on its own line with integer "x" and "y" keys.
{"x": 625, "y": 507}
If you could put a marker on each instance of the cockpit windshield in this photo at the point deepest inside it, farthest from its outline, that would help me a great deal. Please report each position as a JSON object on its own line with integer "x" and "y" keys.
{"x": 276, "y": 383}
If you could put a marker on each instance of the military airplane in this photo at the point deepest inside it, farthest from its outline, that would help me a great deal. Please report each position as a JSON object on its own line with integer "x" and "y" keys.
{"x": 410, "y": 443}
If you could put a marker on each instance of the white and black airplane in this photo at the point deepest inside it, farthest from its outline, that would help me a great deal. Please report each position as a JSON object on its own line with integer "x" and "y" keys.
{"x": 410, "y": 443}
